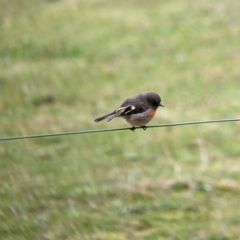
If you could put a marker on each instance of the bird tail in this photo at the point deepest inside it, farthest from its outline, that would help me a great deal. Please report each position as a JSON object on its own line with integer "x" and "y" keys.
{"x": 108, "y": 117}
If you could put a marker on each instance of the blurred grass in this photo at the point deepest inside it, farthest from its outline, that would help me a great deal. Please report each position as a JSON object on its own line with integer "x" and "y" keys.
{"x": 63, "y": 63}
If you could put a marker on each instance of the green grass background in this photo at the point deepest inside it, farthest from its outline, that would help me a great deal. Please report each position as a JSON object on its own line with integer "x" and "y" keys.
{"x": 64, "y": 63}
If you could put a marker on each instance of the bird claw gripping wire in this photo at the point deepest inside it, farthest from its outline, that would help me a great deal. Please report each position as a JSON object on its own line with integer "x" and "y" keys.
{"x": 134, "y": 128}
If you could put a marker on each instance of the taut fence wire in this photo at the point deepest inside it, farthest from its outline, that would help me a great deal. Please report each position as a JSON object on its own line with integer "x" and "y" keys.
{"x": 116, "y": 129}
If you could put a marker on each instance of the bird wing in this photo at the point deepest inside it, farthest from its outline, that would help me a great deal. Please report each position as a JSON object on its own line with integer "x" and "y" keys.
{"x": 129, "y": 109}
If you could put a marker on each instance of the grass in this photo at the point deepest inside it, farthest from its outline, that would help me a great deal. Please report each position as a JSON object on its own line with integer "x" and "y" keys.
{"x": 64, "y": 63}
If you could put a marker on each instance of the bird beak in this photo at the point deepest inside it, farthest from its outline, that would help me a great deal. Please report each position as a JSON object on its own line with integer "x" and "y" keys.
{"x": 160, "y": 105}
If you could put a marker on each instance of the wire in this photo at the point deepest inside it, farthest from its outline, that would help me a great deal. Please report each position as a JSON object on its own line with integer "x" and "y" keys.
{"x": 115, "y": 129}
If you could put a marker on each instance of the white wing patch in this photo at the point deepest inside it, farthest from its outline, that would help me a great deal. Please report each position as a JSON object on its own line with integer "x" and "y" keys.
{"x": 124, "y": 110}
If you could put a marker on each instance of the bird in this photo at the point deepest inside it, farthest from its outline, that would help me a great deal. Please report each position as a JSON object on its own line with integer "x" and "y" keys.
{"x": 137, "y": 110}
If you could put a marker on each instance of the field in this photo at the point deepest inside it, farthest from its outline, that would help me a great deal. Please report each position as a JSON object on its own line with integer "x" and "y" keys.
{"x": 64, "y": 63}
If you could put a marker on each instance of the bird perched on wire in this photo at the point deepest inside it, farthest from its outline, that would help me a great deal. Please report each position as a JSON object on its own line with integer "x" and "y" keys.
{"x": 137, "y": 110}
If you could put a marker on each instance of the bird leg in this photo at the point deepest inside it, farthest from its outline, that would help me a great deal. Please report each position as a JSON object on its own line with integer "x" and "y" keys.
{"x": 144, "y": 127}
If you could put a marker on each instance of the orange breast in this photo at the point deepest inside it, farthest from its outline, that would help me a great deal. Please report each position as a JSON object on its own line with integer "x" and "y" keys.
{"x": 152, "y": 113}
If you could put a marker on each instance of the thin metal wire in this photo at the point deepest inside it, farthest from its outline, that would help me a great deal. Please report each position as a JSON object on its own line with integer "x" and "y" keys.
{"x": 115, "y": 129}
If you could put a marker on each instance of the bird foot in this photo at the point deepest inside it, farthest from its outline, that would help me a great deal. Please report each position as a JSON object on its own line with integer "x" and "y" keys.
{"x": 133, "y": 128}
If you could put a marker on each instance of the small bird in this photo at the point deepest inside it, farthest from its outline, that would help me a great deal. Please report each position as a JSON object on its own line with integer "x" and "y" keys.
{"x": 137, "y": 110}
